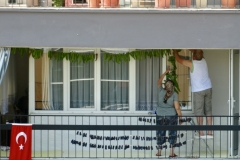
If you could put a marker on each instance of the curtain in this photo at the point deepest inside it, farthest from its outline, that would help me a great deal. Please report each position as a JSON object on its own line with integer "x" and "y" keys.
{"x": 114, "y": 85}
{"x": 4, "y": 58}
{"x": 82, "y": 85}
{"x": 8, "y": 81}
{"x": 45, "y": 81}
{"x": 56, "y": 86}
{"x": 148, "y": 72}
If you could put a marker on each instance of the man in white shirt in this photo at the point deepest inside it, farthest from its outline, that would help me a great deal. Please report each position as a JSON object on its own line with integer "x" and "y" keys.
{"x": 201, "y": 87}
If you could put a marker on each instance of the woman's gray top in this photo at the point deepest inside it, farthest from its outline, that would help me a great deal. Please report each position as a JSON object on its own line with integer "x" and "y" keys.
{"x": 166, "y": 109}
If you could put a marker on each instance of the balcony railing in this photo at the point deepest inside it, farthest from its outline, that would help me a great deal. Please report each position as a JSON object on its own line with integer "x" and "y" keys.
{"x": 97, "y": 136}
{"x": 150, "y": 4}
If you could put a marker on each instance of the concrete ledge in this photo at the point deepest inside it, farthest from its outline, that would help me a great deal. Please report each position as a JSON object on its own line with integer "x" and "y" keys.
{"x": 120, "y": 28}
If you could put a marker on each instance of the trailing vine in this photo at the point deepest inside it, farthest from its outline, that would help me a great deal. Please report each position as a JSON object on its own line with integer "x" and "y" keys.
{"x": 172, "y": 75}
{"x": 72, "y": 57}
{"x": 137, "y": 55}
{"x": 36, "y": 53}
{"x": 118, "y": 58}
{"x": 21, "y": 51}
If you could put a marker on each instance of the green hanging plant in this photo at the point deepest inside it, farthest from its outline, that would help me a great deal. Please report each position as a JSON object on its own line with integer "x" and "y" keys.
{"x": 36, "y": 53}
{"x": 172, "y": 75}
{"x": 137, "y": 55}
{"x": 59, "y": 3}
{"x": 72, "y": 57}
{"x": 118, "y": 58}
{"x": 21, "y": 51}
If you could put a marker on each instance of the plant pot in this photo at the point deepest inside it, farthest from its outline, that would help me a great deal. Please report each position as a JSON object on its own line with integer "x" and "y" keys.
{"x": 109, "y": 3}
{"x": 93, "y": 3}
{"x": 228, "y": 3}
{"x": 32, "y": 3}
{"x": 183, "y": 3}
{"x": 201, "y": 3}
{"x": 162, "y": 3}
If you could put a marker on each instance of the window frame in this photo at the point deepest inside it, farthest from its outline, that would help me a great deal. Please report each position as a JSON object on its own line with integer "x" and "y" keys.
{"x": 67, "y": 76}
{"x": 97, "y": 88}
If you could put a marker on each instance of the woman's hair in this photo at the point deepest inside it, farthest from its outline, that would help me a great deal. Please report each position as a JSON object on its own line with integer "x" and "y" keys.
{"x": 169, "y": 87}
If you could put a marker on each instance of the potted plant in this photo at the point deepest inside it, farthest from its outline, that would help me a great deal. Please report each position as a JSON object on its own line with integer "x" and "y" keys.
{"x": 201, "y": 3}
{"x": 109, "y": 3}
{"x": 162, "y": 3}
{"x": 228, "y": 3}
{"x": 59, "y": 3}
{"x": 183, "y": 3}
{"x": 93, "y": 3}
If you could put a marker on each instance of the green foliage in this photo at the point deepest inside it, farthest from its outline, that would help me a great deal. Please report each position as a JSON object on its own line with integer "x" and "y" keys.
{"x": 118, "y": 58}
{"x": 59, "y": 3}
{"x": 71, "y": 56}
{"x": 36, "y": 53}
{"x": 21, "y": 51}
{"x": 137, "y": 55}
{"x": 172, "y": 75}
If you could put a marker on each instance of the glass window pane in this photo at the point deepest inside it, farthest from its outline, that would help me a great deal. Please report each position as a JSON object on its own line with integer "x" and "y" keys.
{"x": 82, "y": 85}
{"x": 114, "y": 96}
{"x": 81, "y": 70}
{"x": 147, "y": 73}
{"x": 57, "y": 71}
{"x": 49, "y": 84}
{"x": 57, "y": 97}
{"x": 82, "y": 94}
{"x": 38, "y": 84}
{"x": 114, "y": 85}
{"x": 114, "y": 71}
{"x": 56, "y": 80}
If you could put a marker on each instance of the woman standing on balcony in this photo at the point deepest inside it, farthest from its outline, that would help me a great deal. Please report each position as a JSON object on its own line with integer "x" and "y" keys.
{"x": 167, "y": 114}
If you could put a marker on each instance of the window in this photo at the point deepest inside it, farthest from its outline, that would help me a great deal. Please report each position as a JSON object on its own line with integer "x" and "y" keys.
{"x": 56, "y": 85}
{"x": 48, "y": 84}
{"x": 114, "y": 85}
{"x": 81, "y": 85}
{"x": 147, "y": 73}
{"x": 61, "y": 85}
{"x": 79, "y": 1}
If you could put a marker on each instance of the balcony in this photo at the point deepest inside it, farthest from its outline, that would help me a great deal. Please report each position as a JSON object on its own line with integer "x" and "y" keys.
{"x": 102, "y": 136}
{"x": 124, "y": 4}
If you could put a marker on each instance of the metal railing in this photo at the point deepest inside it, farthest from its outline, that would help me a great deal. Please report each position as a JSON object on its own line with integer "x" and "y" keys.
{"x": 101, "y": 136}
{"x": 158, "y": 4}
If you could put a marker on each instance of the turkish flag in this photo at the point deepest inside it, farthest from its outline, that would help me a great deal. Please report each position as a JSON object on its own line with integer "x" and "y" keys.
{"x": 21, "y": 142}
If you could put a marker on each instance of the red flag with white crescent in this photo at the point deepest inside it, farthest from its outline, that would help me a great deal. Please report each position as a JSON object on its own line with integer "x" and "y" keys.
{"x": 21, "y": 142}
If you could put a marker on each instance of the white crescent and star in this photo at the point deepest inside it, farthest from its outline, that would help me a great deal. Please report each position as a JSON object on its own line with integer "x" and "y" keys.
{"x": 25, "y": 137}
